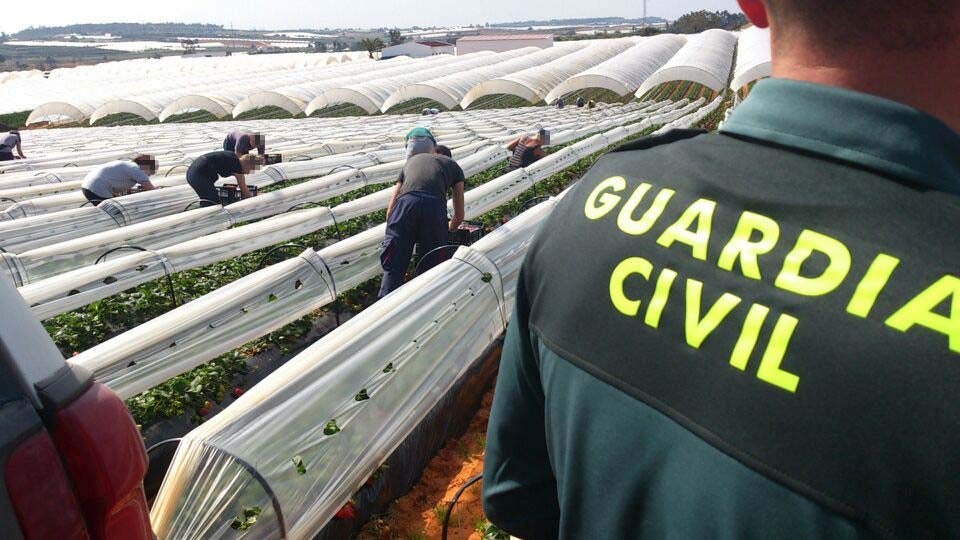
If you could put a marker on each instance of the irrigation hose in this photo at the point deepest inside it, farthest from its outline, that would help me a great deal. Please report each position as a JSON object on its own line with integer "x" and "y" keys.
{"x": 456, "y": 497}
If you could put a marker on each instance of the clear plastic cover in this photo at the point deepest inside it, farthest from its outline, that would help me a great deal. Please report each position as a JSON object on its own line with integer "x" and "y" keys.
{"x": 404, "y": 353}
{"x": 351, "y": 262}
{"x": 81, "y": 286}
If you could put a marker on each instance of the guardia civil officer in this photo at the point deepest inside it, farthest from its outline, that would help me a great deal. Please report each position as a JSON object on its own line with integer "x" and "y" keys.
{"x": 754, "y": 333}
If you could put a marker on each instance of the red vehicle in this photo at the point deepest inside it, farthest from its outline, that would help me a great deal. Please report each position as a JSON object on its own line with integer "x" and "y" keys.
{"x": 72, "y": 458}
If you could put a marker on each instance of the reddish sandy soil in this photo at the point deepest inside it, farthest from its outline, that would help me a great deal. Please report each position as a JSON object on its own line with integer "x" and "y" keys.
{"x": 419, "y": 514}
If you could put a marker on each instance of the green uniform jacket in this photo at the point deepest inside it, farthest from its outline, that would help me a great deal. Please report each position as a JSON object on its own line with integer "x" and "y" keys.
{"x": 750, "y": 334}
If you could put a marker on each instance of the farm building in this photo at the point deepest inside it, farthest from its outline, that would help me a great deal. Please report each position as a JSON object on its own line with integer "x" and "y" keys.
{"x": 502, "y": 42}
{"x": 418, "y": 49}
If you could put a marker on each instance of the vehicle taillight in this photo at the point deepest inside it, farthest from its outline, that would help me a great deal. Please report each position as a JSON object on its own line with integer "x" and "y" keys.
{"x": 106, "y": 461}
{"x": 40, "y": 493}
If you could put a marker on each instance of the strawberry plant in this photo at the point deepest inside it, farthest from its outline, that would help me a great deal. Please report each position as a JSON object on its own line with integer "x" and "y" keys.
{"x": 331, "y": 428}
{"x": 298, "y": 463}
{"x": 246, "y": 519}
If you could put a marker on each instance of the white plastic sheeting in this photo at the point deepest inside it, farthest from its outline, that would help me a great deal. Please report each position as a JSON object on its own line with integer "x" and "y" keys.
{"x": 81, "y": 286}
{"x": 80, "y": 93}
{"x": 449, "y": 90}
{"x": 691, "y": 119}
{"x": 535, "y": 83}
{"x": 300, "y": 95}
{"x": 705, "y": 59}
{"x": 623, "y": 74}
{"x": 753, "y": 57}
{"x": 165, "y": 238}
{"x": 35, "y": 232}
{"x": 372, "y": 95}
{"x": 224, "y": 319}
{"x": 429, "y": 333}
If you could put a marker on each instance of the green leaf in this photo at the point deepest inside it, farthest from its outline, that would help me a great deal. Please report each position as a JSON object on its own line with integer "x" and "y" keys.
{"x": 389, "y": 368}
{"x": 362, "y": 395}
{"x": 247, "y": 519}
{"x": 298, "y": 462}
{"x": 331, "y": 428}
{"x": 487, "y": 276}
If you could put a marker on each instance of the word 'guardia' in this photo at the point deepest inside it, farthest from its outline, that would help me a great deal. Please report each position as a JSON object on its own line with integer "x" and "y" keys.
{"x": 756, "y": 235}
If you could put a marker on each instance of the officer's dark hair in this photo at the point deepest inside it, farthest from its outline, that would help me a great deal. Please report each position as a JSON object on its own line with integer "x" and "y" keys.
{"x": 892, "y": 25}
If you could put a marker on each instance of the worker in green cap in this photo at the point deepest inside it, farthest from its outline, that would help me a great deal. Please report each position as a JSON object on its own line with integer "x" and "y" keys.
{"x": 754, "y": 333}
{"x": 420, "y": 141}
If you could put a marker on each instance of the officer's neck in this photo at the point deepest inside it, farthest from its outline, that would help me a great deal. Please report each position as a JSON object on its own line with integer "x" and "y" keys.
{"x": 925, "y": 83}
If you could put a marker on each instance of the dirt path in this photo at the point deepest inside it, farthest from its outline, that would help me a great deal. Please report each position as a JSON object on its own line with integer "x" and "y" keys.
{"x": 419, "y": 514}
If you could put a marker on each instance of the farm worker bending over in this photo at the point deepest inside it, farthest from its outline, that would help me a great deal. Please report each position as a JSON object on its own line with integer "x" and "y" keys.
{"x": 117, "y": 177}
{"x": 754, "y": 333}
{"x": 208, "y": 168}
{"x": 526, "y": 150}
{"x": 420, "y": 141}
{"x": 417, "y": 213}
{"x": 242, "y": 143}
{"x": 9, "y": 142}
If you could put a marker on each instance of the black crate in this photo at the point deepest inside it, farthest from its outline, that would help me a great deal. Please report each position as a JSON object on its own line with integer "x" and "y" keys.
{"x": 468, "y": 233}
{"x": 230, "y": 193}
{"x": 272, "y": 159}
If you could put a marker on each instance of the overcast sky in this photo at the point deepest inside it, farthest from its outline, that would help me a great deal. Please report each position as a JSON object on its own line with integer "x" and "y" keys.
{"x": 275, "y": 14}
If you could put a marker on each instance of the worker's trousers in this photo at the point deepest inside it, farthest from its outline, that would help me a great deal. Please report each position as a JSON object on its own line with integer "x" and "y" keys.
{"x": 416, "y": 218}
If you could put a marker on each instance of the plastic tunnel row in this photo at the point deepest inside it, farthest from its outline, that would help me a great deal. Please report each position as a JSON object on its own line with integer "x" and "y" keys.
{"x": 344, "y": 404}
{"x": 451, "y": 80}
{"x": 175, "y": 146}
{"x": 72, "y": 289}
{"x": 271, "y": 298}
{"x": 137, "y": 218}
{"x": 300, "y": 443}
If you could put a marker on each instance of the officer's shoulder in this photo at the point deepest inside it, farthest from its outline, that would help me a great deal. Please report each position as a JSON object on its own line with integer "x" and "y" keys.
{"x": 663, "y": 139}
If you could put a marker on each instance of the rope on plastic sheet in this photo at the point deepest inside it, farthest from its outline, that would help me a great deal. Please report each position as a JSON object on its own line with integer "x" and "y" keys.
{"x": 178, "y": 165}
{"x": 483, "y": 275}
{"x": 271, "y": 251}
{"x": 332, "y": 285}
{"x": 15, "y": 267}
{"x": 372, "y": 157}
{"x": 347, "y": 167}
{"x": 164, "y": 262}
{"x": 377, "y": 145}
{"x": 531, "y": 202}
{"x": 281, "y": 522}
{"x": 485, "y": 145}
{"x": 201, "y": 201}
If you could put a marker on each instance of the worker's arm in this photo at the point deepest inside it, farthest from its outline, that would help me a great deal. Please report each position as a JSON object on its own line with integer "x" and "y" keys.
{"x": 458, "y": 212}
{"x": 539, "y": 152}
{"x": 147, "y": 186}
{"x": 20, "y": 148}
{"x": 393, "y": 197}
{"x": 242, "y": 182}
{"x": 513, "y": 144}
{"x": 519, "y": 488}
{"x": 262, "y": 147}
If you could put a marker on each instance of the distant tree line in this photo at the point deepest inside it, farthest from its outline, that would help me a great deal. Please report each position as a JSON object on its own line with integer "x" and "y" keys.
{"x": 700, "y": 21}
{"x": 127, "y": 30}
{"x": 582, "y": 22}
